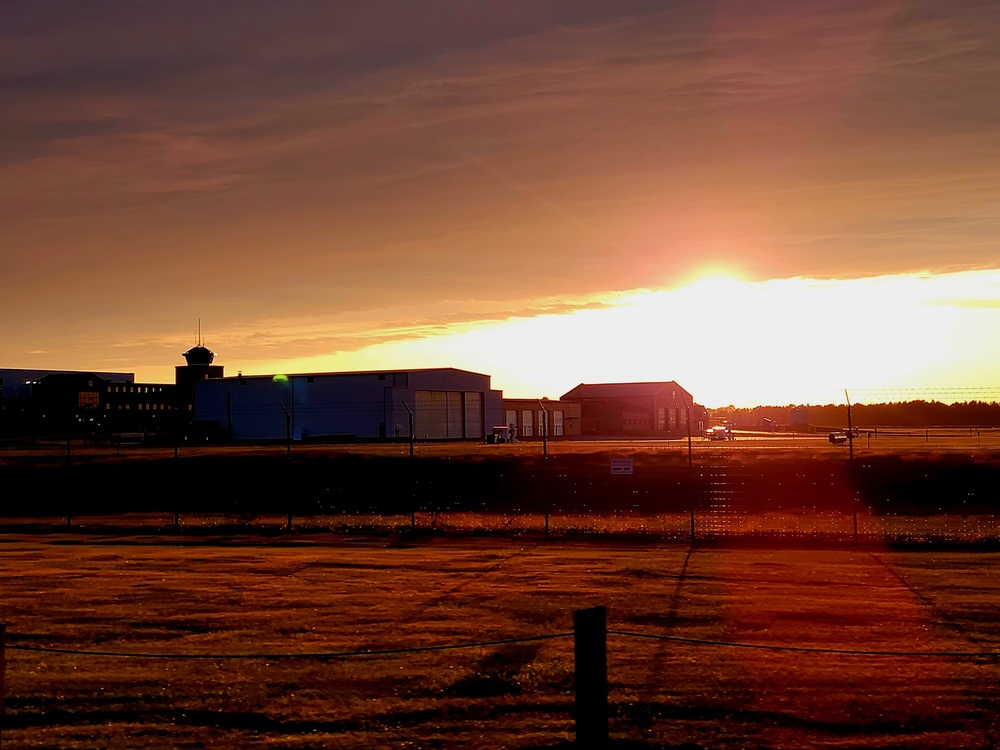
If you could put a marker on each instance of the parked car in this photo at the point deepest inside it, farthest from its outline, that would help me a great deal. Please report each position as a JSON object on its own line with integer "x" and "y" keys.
{"x": 720, "y": 432}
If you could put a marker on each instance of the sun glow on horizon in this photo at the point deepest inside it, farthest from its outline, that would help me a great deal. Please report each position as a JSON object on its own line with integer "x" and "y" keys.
{"x": 728, "y": 341}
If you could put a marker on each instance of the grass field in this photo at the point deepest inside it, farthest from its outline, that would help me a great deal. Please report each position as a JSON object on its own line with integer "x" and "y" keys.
{"x": 886, "y": 440}
{"x": 247, "y": 595}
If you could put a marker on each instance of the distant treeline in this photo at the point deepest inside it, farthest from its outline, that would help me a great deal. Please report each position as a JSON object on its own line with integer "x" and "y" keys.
{"x": 902, "y": 413}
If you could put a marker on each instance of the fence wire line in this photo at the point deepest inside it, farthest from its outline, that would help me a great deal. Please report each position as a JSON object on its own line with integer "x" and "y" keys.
{"x": 505, "y": 642}
{"x": 804, "y": 649}
{"x": 303, "y": 655}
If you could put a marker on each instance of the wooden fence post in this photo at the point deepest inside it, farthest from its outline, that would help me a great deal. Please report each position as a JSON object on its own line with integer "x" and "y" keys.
{"x": 3, "y": 677}
{"x": 590, "y": 653}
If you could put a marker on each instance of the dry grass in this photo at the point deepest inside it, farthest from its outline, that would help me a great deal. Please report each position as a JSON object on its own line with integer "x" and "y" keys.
{"x": 749, "y": 446}
{"x": 156, "y": 595}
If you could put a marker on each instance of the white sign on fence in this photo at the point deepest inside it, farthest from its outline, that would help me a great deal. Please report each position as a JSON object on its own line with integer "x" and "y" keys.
{"x": 621, "y": 465}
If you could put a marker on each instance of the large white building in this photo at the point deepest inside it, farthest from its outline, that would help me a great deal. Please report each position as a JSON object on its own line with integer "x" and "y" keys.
{"x": 446, "y": 403}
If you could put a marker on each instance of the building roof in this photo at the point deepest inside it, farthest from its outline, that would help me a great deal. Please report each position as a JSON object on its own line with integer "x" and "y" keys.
{"x": 622, "y": 390}
{"x": 271, "y": 376}
{"x": 199, "y": 355}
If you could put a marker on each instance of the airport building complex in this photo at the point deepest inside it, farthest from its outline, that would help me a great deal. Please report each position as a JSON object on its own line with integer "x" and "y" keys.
{"x": 437, "y": 404}
{"x": 422, "y": 404}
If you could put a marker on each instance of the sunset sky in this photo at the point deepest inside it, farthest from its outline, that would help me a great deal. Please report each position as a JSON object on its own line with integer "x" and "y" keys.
{"x": 769, "y": 202}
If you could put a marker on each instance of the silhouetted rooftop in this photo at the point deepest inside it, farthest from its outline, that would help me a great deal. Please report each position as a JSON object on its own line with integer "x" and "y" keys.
{"x": 199, "y": 355}
{"x": 621, "y": 390}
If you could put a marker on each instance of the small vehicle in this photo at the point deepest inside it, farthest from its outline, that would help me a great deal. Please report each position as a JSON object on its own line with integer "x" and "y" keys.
{"x": 500, "y": 434}
{"x": 721, "y": 432}
{"x": 840, "y": 436}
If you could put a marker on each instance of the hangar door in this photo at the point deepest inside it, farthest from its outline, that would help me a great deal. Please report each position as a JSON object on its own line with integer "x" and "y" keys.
{"x": 448, "y": 415}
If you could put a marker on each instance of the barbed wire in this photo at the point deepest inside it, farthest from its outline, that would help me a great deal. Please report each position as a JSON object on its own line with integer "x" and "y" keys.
{"x": 804, "y": 649}
{"x": 277, "y": 656}
{"x": 506, "y": 642}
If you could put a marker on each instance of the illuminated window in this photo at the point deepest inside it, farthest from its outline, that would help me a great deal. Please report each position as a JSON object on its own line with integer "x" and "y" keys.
{"x": 88, "y": 400}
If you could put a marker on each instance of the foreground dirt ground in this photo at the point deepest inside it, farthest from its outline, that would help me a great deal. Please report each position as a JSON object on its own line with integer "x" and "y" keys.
{"x": 165, "y": 598}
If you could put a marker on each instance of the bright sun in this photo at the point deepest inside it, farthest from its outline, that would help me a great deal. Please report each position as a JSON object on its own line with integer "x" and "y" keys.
{"x": 728, "y": 341}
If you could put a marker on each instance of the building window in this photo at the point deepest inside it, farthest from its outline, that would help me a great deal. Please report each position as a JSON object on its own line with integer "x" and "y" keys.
{"x": 88, "y": 400}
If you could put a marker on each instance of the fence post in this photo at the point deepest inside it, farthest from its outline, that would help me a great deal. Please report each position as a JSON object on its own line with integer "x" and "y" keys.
{"x": 3, "y": 677}
{"x": 590, "y": 652}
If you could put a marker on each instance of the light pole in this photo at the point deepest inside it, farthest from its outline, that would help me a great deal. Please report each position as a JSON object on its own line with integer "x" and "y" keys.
{"x": 687, "y": 409}
{"x": 545, "y": 429}
{"x": 413, "y": 501}
{"x": 850, "y": 428}
{"x": 410, "y": 413}
{"x": 288, "y": 431}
